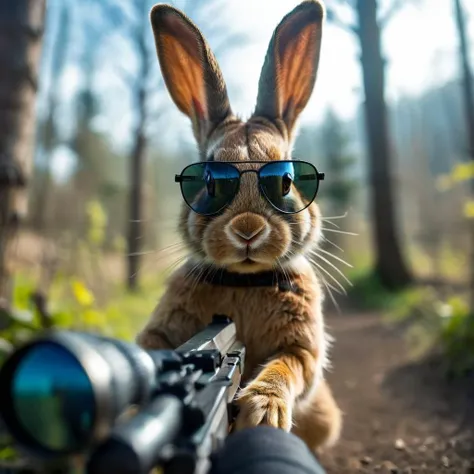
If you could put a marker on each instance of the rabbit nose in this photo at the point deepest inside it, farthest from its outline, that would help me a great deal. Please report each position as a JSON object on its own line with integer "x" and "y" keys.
{"x": 247, "y": 228}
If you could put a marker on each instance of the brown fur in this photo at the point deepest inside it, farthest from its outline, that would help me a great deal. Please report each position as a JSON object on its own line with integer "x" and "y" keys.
{"x": 283, "y": 333}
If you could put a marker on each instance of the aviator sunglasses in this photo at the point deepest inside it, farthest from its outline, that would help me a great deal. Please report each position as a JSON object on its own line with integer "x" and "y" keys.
{"x": 290, "y": 186}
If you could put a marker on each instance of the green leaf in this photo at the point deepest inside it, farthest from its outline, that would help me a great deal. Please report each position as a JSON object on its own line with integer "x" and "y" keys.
{"x": 8, "y": 454}
{"x": 5, "y": 346}
{"x": 5, "y": 319}
{"x": 22, "y": 291}
{"x": 23, "y": 316}
{"x": 63, "y": 319}
{"x": 23, "y": 335}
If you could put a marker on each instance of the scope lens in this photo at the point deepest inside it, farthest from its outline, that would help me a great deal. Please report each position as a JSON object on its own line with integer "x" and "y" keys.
{"x": 53, "y": 398}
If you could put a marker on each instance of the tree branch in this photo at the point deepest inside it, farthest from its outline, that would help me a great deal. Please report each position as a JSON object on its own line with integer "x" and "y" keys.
{"x": 391, "y": 11}
{"x": 39, "y": 301}
{"x": 335, "y": 20}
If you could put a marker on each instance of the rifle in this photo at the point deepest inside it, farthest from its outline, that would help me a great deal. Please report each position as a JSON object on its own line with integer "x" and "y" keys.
{"x": 120, "y": 408}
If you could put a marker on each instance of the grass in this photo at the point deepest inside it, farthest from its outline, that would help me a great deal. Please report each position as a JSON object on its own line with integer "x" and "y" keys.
{"x": 84, "y": 292}
{"x": 75, "y": 306}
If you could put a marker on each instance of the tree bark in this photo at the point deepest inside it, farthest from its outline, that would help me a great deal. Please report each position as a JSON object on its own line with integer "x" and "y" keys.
{"x": 137, "y": 158}
{"x": 390, "y": 265}
{"x": 21, "y": 34}
{"x": 136, "y": 194}
{"x": 48, "y": 136}
{"x": 469, "y": 110}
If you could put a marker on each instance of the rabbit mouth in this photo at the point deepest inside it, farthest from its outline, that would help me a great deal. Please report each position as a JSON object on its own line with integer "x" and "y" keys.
{"x": 248, "y": 265}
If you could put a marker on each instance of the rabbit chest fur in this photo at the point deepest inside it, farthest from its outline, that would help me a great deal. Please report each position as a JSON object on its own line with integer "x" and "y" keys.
{"x": 266, "y": 319}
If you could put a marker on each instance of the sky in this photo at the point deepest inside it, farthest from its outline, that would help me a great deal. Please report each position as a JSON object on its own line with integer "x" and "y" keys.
{"x": 419, "y": 43}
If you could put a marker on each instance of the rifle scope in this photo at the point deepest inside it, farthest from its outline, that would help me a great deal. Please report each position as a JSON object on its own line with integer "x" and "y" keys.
{"x": 63, "y": 392}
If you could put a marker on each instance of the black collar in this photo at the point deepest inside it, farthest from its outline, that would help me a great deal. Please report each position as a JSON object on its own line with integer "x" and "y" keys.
{"x": 221, "y": 277}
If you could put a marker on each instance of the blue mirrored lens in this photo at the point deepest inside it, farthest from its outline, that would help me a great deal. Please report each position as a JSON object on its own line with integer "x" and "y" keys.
{"x": 290, "y": 186}
{"x": 53, "y": 398}
{"x": 210, "y": 186}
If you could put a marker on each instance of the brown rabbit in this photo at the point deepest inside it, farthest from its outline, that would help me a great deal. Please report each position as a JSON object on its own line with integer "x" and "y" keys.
{"x": 249, "y": 221}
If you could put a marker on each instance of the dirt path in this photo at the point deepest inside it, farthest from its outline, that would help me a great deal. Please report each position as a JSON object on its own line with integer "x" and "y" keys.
{"x": 399, "y": 417}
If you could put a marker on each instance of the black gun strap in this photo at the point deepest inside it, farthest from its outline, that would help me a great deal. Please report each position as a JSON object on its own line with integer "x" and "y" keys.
{"x": 221, "y": 277}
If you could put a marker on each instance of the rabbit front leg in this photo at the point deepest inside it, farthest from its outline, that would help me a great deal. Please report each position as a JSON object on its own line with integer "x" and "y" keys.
{"x": 270, "y": 398}
{"x": 153, "y": 337}
{"x": 169, "y": 326}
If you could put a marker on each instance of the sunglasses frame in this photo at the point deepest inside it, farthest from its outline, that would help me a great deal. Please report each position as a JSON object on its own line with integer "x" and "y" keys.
{"x": 179, "y": 179}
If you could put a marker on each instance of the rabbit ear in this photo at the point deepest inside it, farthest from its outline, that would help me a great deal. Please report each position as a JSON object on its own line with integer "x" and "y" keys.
{"x": 290, "y": 67}
{"x": 190, "y": 70}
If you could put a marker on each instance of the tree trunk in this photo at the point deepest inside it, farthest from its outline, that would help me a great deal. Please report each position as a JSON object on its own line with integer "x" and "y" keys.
{"x": 48, "y": 136}
{"x": 21, "y": 33}
{"x": 135, "y": 222}
{"x": 469, "y": 109}
{"x": 390, "y": 265}
{"x": 137, "y": 159}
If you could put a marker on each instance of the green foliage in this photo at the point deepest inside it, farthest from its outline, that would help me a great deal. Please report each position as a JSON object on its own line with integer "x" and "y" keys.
{"x": 368, "y": 293}
{"x": 419, "y": 310}
{"x": 97, "y": 219}
{"x": 457, "y": 337}
{"x": 457, "y": 332}
{"x": 74, "y": 306}
{"x": 434, "y": 325}
{"x": 414, "y": 302}
{"x": 80, "y": 300}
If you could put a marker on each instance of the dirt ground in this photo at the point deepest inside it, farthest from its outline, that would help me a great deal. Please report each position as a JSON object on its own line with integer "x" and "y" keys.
{"x": 400, "y": 416}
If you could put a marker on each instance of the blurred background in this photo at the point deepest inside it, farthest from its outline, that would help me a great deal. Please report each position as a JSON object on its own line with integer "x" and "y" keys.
{"x": 90, "y": 142}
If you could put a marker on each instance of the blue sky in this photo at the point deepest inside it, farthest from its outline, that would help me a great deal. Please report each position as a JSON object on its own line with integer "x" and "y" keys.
{"x": 420, "y": 44}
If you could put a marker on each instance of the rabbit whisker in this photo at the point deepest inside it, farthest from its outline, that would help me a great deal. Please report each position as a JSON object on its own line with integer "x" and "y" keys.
{"x": 323, "y": 278}
{"x": 335, "y": 268}
{"x": 331, "y": 223}
{"x": 177, "y": 262}
{"x": 285, "y": 273}
{"x": 176, "y": 246}
{"x": 172, "y": 253}
{"x": 190, "y": 272}
{"x": 333, "y": 278}
{"x": 315, "y": 252}
{"x": 342, "y": 216}
{"x": 140, "y": 254}
{"x": 338, "y": 231}
{"x": 328, "y": 287}
{"x": 197, "y": 279}
{"x": 332, "y": 243}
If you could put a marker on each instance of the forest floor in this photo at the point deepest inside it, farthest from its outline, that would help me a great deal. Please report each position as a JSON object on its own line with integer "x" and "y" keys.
{"x": 399, "y": 416}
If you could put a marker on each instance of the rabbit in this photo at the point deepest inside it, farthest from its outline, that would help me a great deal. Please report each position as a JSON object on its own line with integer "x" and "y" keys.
{"x": 283, "y": 329}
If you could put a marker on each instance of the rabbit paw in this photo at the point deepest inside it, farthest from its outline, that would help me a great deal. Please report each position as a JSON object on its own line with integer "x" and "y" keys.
{"x": 152, "y": 339}
{"x": 260, "y": 405}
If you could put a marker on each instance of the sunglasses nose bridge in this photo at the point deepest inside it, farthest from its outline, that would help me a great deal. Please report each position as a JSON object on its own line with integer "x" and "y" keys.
{"x": 249, "y": 192}
{"x": 249, "y": 178}
{"x": 242, "y": 172}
